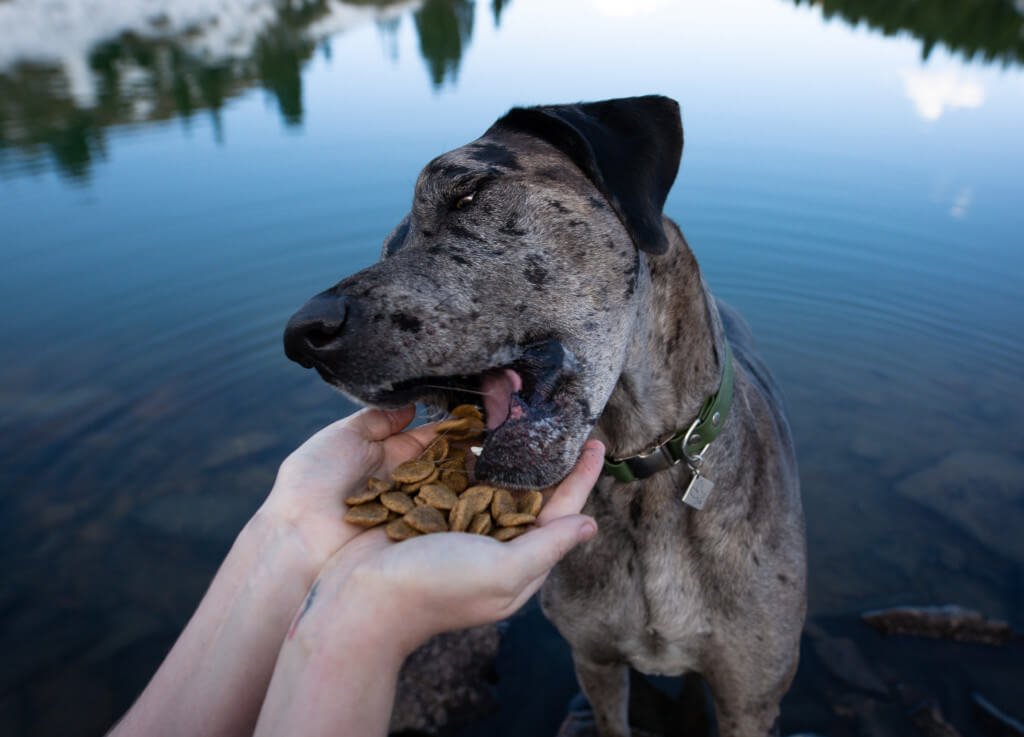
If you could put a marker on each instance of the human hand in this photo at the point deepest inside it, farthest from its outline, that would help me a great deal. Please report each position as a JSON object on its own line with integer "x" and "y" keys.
{"x": 308, "y": 497}
{"x": 440, "y": 582}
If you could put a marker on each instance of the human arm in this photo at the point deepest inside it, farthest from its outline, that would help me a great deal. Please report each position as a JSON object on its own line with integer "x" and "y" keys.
{"x": 216, "y": 675}
{"x": 375, "y": 601}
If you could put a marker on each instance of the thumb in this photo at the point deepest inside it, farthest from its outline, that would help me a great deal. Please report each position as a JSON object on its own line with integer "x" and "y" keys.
{"x": 536, "y": 552}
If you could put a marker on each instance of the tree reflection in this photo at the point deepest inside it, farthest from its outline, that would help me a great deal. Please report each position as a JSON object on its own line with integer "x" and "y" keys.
{"x": 444, "y": 28}
{"x": 991, "y": 29}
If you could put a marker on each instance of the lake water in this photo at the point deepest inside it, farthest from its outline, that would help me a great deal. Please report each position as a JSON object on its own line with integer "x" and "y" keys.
{"x": 175, "y": 180}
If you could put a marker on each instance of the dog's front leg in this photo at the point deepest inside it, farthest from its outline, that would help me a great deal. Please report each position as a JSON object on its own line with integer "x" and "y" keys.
{"x": 607, "y": 689}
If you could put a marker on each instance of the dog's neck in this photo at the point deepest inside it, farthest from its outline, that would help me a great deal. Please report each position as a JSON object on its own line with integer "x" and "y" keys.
{"x": 672, "y": 364}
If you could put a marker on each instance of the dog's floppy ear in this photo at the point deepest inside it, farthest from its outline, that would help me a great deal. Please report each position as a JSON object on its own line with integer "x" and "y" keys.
{"x": 629, "y": 148}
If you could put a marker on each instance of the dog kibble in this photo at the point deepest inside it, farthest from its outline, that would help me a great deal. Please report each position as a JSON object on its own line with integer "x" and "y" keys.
{"x": 432, "y": 492}
{"x": 531, "y": 502}
{"x": 502, "y": 503}
{"x": 439, "y": 496}
{"x": 370, "y": 514}
{"x": 481, "y": 524}
{"x": 397, "y": 502}
{"x": 426, "y": 519}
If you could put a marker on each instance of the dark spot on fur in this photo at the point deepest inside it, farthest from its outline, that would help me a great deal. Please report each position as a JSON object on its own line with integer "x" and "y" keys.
{"x": 511, "y": 226}
{"x": 629, "y": 566}
{"x": 610, "y": 244}
{"x": 577, "y": 223}
{"x": 459, "y": 260}
{"x": 406, "y": 322}
{"x": 597, "y": 203}
{"x": 521, "y": 307}
{"x": 559, "y": 207}
{"x": 536, "y": 274}
{"x": 590, "y": 325}
{"x": 398, "y": 239}
{"x": 437, "y": 168}
{"x": 551, "y": 173}
{"x": 434, "y": 250}
{"x": 636, "y": 508}
{"x": 783, "y": 577}
{"x": 757, "y": 561}
{"x": 474, "y": 315}
{"x": 427, "y": 233}
{"x": 631, "y": 274}
{"x": 458, "y": 230}
{"x": 494, "y": 153}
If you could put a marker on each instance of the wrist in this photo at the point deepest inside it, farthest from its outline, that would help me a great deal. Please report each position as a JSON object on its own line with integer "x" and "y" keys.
{"x": 279, "y": 547}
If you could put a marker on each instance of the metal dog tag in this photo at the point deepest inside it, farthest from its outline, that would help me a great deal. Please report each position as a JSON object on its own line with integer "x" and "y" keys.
{"x": 698, "y": 490}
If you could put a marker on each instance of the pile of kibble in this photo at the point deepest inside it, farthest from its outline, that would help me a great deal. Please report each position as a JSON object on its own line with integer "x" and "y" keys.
{"x": 431, "y": 493}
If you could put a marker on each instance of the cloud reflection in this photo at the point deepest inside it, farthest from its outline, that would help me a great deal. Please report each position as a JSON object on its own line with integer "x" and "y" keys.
{"x": 934, "y": 92}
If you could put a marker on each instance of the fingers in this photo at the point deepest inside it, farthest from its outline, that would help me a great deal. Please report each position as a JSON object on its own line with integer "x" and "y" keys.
{"x": 533, "y": 554}
{"x": 571, "y": 494}
{"x": 379, "y": 424}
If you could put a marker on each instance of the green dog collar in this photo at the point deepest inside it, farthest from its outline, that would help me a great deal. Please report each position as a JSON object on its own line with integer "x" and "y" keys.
{"x": 688, "y": 444}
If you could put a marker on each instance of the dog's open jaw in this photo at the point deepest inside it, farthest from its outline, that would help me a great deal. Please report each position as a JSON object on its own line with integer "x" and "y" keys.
{"x": 529, "y": 408}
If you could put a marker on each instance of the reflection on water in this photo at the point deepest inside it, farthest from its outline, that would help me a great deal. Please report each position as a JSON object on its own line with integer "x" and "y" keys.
{"x": 59, "y": 111}
{"x": 991, "y": 29}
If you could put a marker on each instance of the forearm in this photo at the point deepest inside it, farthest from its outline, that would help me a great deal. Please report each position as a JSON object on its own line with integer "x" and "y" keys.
{"x": 337, "y": 670}
{"x": 215, "y": 677}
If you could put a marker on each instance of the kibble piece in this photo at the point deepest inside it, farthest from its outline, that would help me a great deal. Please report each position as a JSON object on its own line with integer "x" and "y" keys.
{"x": 436, "y": 451}
{"x": 399, "y": 529}
{"x": 457, "y": 481}
{"x": 362, "y": 497}
{"x": 367, "y": 515}
{"x": 467, "y": 410}
{"x": 478, "y": 497}
{"x": 426, "y": 519}
{"x": 531, "y": 502}
{"x": 502, "y": 503}
{"x": 460, "y": 516}
{"x": 418, "y": 500}
{"x": 412, "y": 471}
{"x": 396, "y": 501}
{"x": 515, "y": 519}
{"x": 456, "y": 460}
{"x": 481, "y": 524}
{"x": 438, "y": 496}
{"x": 504, "y": 534}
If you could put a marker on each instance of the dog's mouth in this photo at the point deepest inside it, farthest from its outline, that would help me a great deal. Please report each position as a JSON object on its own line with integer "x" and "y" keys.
{"x": 525, "y": 403}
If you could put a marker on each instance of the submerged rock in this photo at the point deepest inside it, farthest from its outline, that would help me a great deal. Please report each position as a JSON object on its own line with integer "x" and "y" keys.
{"x": 930, "y": 722}
{"x": 948, "y": 622}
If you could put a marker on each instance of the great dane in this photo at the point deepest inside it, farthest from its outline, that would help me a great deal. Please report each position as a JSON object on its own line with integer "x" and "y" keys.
{"x": 536, "y": 267}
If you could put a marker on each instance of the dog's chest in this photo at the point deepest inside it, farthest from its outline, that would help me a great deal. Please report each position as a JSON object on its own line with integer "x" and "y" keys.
{"x": 630, "y": 595}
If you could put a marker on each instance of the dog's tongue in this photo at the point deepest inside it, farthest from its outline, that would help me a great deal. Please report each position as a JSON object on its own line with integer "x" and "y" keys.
{"x": 498, "y": 388}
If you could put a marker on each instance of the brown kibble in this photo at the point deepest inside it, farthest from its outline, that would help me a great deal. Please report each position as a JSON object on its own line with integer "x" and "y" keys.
{"x": 399, "y": 530}
{"x": 412, "y": 471}
{"x": 460, "y": 516}
{"x": 530, "y": 502}
{"x": 367, "y": 515}
{"x": 396, "y": 501}
{"x": 467, "y": 410}
{"x": 426, "y": 519}
{"x": 457, "y": 481}
{"x": 362, "y": 497}
{"x": 481, "y": 524}
{"x": 418, "y": 501}
{"x": 478, "y": 497}
{"x": 438, "y": 496}
{"x": 456, "y": 459}
{"x": 502, "y": 503}
{"x": 436, "y": 451}
{"x": 515, "y": 519}
{"x": 504, "y": 534}
{"x": 471, "y": 433}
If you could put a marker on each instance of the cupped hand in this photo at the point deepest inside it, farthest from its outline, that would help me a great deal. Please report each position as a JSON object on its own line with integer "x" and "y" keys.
{"x": 312, "y": 483}
{"x": 445, "y": 581}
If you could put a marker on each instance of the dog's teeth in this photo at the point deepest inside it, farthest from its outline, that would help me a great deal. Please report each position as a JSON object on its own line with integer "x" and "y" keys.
{"x": 476, "y": 450}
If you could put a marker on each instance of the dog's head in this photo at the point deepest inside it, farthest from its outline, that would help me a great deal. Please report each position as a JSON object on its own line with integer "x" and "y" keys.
{"x": 515, "y": 277}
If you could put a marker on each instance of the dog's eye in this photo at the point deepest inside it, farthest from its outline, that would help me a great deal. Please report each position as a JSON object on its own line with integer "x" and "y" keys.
{"x": 464, "y": 201}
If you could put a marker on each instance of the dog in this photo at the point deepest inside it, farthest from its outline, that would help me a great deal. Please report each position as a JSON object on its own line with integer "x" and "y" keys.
{"x": 536, "y": 268}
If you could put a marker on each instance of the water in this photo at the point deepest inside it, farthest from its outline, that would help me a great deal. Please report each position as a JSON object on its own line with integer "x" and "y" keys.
{"x": 174, "y": 187}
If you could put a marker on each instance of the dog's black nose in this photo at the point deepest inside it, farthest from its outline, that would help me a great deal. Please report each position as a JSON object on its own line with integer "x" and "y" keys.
{"x": 316, "y": 328}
